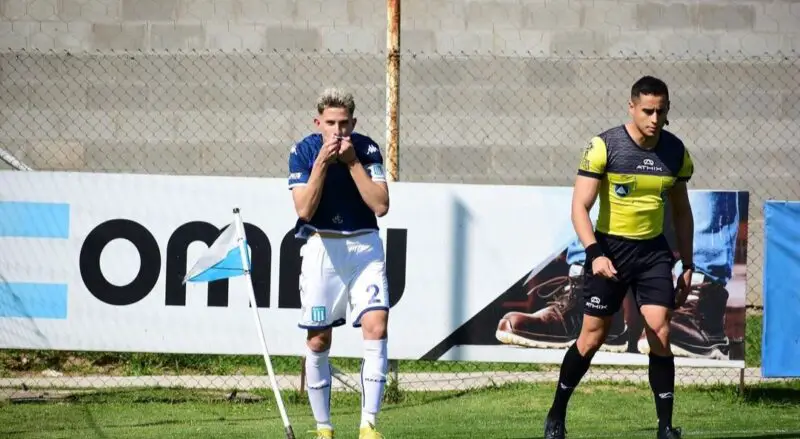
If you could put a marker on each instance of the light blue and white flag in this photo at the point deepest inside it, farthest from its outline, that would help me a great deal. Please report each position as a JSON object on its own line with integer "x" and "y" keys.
{"x": 224, "y": 258}
{"x": 227, "y": 257}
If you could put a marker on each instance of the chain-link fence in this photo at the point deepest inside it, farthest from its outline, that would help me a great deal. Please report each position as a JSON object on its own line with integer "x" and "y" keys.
{"x": 510, "y": 119}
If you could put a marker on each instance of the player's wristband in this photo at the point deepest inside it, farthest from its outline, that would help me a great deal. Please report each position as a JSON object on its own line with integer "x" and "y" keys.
{"x": 593, "y": 252}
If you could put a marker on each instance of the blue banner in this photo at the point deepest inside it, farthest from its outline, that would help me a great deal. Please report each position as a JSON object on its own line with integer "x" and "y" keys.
{"x": 780, "y": 354}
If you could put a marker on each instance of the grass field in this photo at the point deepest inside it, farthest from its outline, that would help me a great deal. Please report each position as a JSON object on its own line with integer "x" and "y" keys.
{"x": 601, "y": 410}
{"x": 19, "y": 363}
{"x": 514, "y": 411}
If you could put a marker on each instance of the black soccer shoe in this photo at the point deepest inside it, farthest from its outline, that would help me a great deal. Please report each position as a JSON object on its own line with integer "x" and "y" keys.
{"x": 554, "y": 429}
{"x": 669, "y": 433}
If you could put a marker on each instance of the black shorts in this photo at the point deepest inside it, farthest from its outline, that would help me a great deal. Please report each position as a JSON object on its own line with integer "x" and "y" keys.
{"x": 643, "y": 266}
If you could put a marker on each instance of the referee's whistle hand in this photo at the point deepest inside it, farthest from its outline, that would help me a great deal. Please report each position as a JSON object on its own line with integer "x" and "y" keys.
{"x": 683, "y": 288}
{"x": 602, "y": 266}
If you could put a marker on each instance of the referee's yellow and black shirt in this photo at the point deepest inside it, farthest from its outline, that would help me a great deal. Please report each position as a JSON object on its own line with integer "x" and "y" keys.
{"x": 634, "y": 181}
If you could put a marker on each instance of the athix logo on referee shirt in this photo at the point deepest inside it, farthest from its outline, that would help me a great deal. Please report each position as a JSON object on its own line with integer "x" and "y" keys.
{"x": 649, "y": 165}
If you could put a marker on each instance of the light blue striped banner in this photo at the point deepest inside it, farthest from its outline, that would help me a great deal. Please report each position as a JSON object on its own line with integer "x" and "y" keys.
{"x": 33, "y": 300}
{"x": 34, "y": 220}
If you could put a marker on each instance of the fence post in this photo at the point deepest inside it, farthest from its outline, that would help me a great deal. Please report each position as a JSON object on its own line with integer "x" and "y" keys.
{"x": 394, "y": 367}
{"x": 392, "y": 89}
{"x": 302, "y": 374}
{"x": 741, "y": 382}
{"x": 393, "y": 393}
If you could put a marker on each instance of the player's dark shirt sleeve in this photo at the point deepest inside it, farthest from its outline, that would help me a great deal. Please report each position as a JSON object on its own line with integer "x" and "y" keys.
{"x": 299, "y": 166}
{"x": 372, "y": 160}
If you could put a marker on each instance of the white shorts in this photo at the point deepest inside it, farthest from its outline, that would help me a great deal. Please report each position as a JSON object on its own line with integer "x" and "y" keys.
{"x": 336, "y": 272}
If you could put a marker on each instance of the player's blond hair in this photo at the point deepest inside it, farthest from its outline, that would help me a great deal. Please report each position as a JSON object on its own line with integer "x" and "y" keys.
{"x": 336, "y": 98}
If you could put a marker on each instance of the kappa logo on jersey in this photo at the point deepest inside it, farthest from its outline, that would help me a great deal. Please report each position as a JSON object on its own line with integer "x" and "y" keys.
{"x": 372, "y": 149}
{"x": 293, "y": 150}
{"x": 295, "y": 175}
{"x": 318, "y": 314}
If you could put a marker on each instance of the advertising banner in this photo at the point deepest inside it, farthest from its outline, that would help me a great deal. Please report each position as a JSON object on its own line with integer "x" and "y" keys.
{"x": 96, "y": 262}
{"x": 780, "y": 350}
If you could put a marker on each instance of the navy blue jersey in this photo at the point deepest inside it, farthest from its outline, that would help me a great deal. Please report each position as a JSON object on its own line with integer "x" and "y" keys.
{"x": 341, "y": 208}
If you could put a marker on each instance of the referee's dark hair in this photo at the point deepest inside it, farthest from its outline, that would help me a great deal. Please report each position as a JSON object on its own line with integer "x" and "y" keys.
{"x": 649, "y": 85}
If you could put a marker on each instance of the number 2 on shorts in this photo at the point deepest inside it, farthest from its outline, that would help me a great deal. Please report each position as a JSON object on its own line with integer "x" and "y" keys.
{"x": 373, "y": 291}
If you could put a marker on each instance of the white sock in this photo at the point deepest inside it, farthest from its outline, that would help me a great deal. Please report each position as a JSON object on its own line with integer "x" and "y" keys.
{"x": 318, "y": 374}
{"x": 373, "y": 379}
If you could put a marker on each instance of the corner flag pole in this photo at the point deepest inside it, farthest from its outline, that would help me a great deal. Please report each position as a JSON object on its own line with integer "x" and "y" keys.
{"x": 243, "y": 251}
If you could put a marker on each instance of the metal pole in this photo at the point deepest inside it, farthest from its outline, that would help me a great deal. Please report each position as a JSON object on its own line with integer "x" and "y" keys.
{"x": 741, "y": 382}
{"x": 393, "y": 89}
{"x": 302, "y": 374}
{"x": 13, "y": 161}
{"x": 394, "y": 368}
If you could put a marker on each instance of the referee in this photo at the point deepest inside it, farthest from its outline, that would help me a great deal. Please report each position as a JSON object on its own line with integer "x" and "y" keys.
{"x": 633, "y": 168}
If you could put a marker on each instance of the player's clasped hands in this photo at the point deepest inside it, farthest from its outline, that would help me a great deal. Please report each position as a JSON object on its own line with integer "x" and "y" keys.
{"x": 346, "y": 151}
{"x": 337, "y": 148}
{"x": 602, "y": 266}
{"x": 330, "y": 150}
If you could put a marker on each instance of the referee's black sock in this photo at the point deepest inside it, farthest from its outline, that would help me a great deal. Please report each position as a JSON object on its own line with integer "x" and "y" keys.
{"x": 662, "y": 380}
{"x": 573, "y": 368}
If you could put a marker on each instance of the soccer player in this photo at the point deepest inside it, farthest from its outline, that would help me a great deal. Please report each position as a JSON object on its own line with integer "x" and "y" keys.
{"x": 339, "y": 188}
{"x": 633, "y": 168}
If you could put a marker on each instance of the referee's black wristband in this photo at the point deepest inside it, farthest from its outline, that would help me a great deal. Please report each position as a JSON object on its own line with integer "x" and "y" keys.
{"x": 593, "y": 252}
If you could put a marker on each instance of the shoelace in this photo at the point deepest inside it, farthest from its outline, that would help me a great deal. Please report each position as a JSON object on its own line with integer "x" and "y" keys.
{"x": 560, "y": 295}
{"x": 558, "y": 279}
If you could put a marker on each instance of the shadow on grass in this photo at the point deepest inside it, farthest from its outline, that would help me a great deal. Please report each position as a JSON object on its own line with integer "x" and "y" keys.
{"x": 777, "y": 393}
{"x": 789, "y": 394}
{"x": 92, "y": 423}
{"x": 789, "y": 435}
{"x": 102, "y": 432}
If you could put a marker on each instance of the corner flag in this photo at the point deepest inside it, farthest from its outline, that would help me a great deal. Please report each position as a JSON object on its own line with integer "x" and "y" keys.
{"x": 228, "y": 256}
{"x": 223, "y": 259}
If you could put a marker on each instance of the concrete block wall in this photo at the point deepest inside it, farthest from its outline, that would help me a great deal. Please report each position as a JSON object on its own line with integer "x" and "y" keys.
{"x": 115, "y": 85}
{"x": 520, "y": 70}
{"x": 537, "y": 26}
